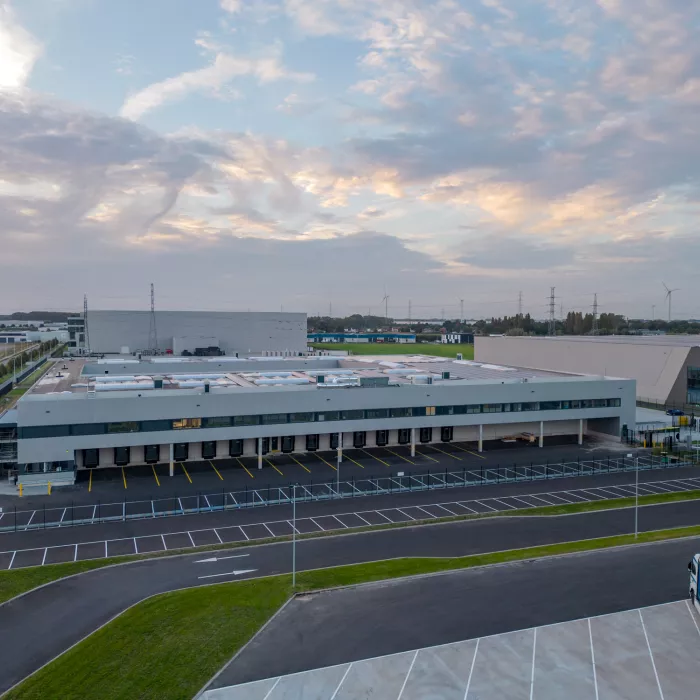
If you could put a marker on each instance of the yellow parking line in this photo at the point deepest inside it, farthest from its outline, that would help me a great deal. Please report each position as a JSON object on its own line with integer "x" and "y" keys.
{"x": 353, "y": 461}
{"x": 186, "y": 474}
{"x": 422, "y": 454}
{"x": 325, "y": 462}
{"x": 377, "y": 458}
{"x": 273, "y": 466}
{"x": 153, "y": 466}
{"x": 445, "y": 452}
{"x": 124, "y": 477}
{"x": 216, "y": 470}
{"x": 90, "y": 482}
{"x": 398, "y": 455}
{"x": 300, "y": 464}
{"x": 244, "y": 467}
{"x": 464, "y": 449}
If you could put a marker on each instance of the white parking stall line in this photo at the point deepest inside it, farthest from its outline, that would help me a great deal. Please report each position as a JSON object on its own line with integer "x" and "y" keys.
{"x": 341, "y": 522}
{"x": 105, "y": 549}
{"x": 165, "y": 546}
{"x": 379, "y": 512}
{"x": 556, "y": 494}
{"x": 218, "y": 536}
{"x": 522, "y": 500}
{"x": 189, "y": 534}
{"x": 402, "y": 513}
{"x": 153, "y": 509}
{"x": 461, "y": 505}
{"x": 506, "y": 505}
{"x": 544, "y": 500}
{"x": 363, "y": 519}
{"x": 245, "y": 534}
{"x": 626, "y": 490}
{"x": 600, "y": 492}
{"x": 439, "y": 505}
{"x": 293, "y": 528}
{"x": 317, "y": 525}
{"x": 679, "y": 485}
{"x": 643, "y": 489}
{"x": 575, "y": 495}
{"x": 481, "y": 503}
{"x": 124, "y": 510}
{"x": 427, "y": 512}
{"x": 12, "y": 560}
{"x": 63, "y": 515}
{"x": 654, "y": 487}
{"x": 181, "y": 508}
{"x": 94, "y": 512}
{"x": 43, "y": 559}
{"x": 31, "y": 517}
{"x": 268, "y": 529}
{"x": 2, "y": 515}
{"x": 75, "y": 554}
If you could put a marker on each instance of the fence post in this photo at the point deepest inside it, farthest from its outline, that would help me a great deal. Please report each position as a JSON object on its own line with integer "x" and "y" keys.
{"x": 15, "y": 518}
{"x": 99, "y": 519}
{"x": 579, "y": 466}
{"x": 546, "y": 470}
{"x": 482, "y": 474}
{"x": 44, "y": 516}
{"x": 72, "y": 514}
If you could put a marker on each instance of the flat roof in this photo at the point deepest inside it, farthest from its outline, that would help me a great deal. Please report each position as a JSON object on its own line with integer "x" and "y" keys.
{"x": 67, "y": 376}
{"x": 674, "y": 340}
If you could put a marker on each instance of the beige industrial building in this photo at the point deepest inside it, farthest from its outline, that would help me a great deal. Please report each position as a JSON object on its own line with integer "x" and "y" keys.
{"x": 666, "y": 368}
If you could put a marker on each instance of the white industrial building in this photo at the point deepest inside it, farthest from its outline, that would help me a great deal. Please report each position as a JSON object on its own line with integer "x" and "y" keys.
{"x": 666, "y": 368}
{"x": 123, "y": 411}
{"x": 233, "y": 332}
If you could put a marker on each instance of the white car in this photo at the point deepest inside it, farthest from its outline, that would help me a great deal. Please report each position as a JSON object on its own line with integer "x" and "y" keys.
{"x": 693, "y": 592}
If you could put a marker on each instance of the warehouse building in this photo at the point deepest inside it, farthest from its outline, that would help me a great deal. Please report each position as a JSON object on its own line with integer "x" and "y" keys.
{"x": 178, "y": 332}
{"x": 666, "y": 368}
{"x": 95, "y": 414}
{"x": 354, "y": 337}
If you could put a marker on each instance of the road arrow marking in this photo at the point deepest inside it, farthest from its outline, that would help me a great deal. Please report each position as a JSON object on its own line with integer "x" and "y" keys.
{"x": 230, "y": 573}
{"x": 211, "y": 559}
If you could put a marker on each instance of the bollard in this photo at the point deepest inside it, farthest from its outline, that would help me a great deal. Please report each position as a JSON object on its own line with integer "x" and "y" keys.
{"x": 21, "y": 486}
{"x": 49, "y": 485}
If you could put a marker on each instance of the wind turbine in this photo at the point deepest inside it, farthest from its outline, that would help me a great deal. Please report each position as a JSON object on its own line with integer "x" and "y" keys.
{"x": 669, "y": 295}
{"x": 386, "y": 306}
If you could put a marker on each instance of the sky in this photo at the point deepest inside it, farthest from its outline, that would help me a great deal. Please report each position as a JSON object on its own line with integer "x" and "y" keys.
{"x": 309, "y": 155}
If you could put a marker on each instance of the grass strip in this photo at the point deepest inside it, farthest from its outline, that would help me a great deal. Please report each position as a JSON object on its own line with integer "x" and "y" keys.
{"x": 18, "y": 581}
{"x": 435, "y": 349}
{"x": 170, "y": 645}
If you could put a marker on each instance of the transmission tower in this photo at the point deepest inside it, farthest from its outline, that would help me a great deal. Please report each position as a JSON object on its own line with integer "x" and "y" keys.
{"x": 520, "y": 304}
{"x": 86, "y": 343}
{"x": 409, "y": 312}
{"x": 552, "y": 325}
{"x": 152, "y": 333}
{"x": 594, "y": 327}
{"x": 461, "y": 311}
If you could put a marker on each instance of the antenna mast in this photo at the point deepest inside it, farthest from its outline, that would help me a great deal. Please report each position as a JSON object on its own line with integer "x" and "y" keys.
{"x": 152, "y": 333}
{"x": 86, "y": 342}
{"x": 409, "y": 312}
{"x": 594, "y": 327}
{"x": 552, "y": 326}
{"x": 461, "y": 310}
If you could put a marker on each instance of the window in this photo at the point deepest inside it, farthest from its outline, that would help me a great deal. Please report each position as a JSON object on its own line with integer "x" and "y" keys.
{"x": 404, "y": 436}
{"x": 474, "y": 408}
{"x": 445, "y": 410}
{"x": 273, "y": 418}
{"x": 301, "y": 417}
{"x": 566, "y": 405}
{"x": 186, "y": 423}
{"x": 288, "y": 442}
{"x": 576, "y": 404}
{"x": 550, "y": 405}
{"x": 209, "y": 449}
{"x": 311, "y": 443}
{"x": 401, "y": 412}
{"x": 121, "y": 456}
{"x": 128, "y": 426}
{"x": 377, "y": 413}
{"x": 530, "y": 406}
{"x": 614, "y": 403}
{"x": 218, "y": 422}
{"x": 334, "y": 442}
{"x": 587, "y": 403}
{"x": 359, "y": 439}
{"x": 693, "y": 385}
{"x": 151, "y": 425}
{"x": 328, "y": 415}
{"x": 181, "y": 451}
{"x": 151, "y": 454}
{"x": 430, "y": 410}
{"x": 235, "y": 448}
{"x": 492, "y": 408}
{"x": 446, "y": 433}
{"x": 382, "y": 438}
{"x": 87, "y": 429}
{"x": 352, "y": 415}
{"x": 91, "y": 458}
{"x": 43, "y": 431}
{"x": 246, "y": 420}
{"x": 426, "y": 434}
{"x": 600, "y": 403}
{"x": 459, "y": 410}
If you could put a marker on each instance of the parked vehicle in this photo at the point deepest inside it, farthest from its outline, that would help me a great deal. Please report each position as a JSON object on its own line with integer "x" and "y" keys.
{"x": 674, "y": 412}
{"x": 693, "y": 567}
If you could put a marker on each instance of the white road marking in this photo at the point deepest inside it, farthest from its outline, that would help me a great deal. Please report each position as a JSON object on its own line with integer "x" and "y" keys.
{"x": 31, "y": 517}
{"x": 75, "y": 556}
{"x": 692, "y": 615}
{"x": 595, "y": 675}
{"x": 63, "y": 515}
{"x": 378, "y": 512}
{"x": 12, "y": 559}
{"x": 471, "y": 670}
{"x": 165, "y": 546}
{"x": 461, "y": 505}
{"x": 317, "y": 525}
{"x": 342, "y": 680}
{"x": 439, "y": 505}
{"x": 485, "y": 505}
{"x": 507, "y": 505}
{"x": 405, "y": 680}
{"x": 532, "y": 677}
{"x": 190, "y": 536}
{"x": 274, "y": 685}
{"x": 402, "y": 513}
{"x": 218, "y": 536}
{"x": 522, "y": 500}
{"x": 289, "y": 522}
{"x": 539, "y": 498}
{"x": 212, "y": 559}
{"x": 181, "y": 508}
{"x": 341, "y": 522}
{"x": 94, "y": 512}
{"x": 229, "y": 573}
{"x": 43, "y": 560}
{"x": 362, "y": 519}
{"x": 651, "y": 656}
{"x": 245, "y": 534}
{"x": 268, "y": 529}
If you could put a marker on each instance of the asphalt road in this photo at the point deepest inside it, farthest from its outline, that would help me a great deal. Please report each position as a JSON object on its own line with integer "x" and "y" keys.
{"x": 373, "y": 620}
{"x": 99, "y": 532}
{"x": 47, "y": 621}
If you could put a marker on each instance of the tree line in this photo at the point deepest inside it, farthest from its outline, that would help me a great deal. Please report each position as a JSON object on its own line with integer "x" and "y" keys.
{"x": 21, "y": 361}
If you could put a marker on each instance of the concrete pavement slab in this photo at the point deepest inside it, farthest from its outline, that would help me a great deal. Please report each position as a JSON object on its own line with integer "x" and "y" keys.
{"x": 309, "y": 686}
{"x": 380, "y": 678}
{"x": 258, "y": 690}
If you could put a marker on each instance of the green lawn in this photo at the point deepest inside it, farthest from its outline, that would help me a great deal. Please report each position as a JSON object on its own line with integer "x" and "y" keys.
{"x": 400, "y": 349}
{"x": 170, "y": 645}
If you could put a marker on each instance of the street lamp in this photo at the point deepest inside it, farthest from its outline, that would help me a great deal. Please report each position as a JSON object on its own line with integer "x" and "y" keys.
{"x": 294, "y": 536}
{"x": 636, "y": 494}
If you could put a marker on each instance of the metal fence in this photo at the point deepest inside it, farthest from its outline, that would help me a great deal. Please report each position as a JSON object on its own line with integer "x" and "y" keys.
{"x": 398, "y": 482}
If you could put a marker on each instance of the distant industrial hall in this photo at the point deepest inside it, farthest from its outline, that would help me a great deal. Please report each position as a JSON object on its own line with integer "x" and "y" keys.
{"x": 92, "y": 414}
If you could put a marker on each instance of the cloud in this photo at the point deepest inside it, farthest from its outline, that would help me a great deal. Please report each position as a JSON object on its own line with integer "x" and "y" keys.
{"x": 212, "y": 79}
{"x": 297, "y": 106}
{"x": 19, "y": 50}
{"x": 511, "y": 253}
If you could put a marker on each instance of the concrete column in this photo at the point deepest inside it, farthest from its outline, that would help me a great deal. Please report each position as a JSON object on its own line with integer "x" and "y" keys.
{"x": 481, "y": 438}
{"x": 413, "y": 442}
{"x": 580, "y": 431}
{"x": 260, "y": 453}
{"x": 541, "y": 433}
{"x": 172, "y": 459}
{"x": 340, "y": 448}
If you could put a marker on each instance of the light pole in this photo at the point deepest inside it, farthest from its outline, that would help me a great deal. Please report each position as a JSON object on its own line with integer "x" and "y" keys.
{"x": 339, "y": 458}
{"x": 636, "y": 495}
{"x": 294, "y": 536}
